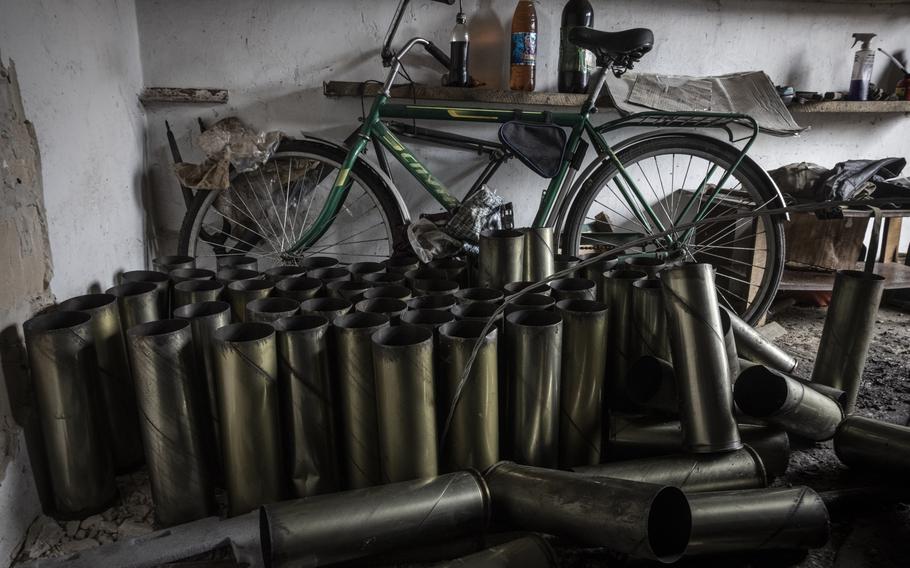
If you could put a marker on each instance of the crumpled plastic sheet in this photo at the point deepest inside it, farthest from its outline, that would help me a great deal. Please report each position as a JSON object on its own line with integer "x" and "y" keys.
{"x": 461, "y": 233}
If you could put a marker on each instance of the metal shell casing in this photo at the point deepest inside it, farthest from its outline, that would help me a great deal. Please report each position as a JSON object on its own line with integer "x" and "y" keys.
{"x": 752, "y": 345}
{"x": 162, "y": 287}
{"x": 501, "y": 257}
{"x": 539, "y": 250}
{"x": 573, "y": 289}
{"x": 329, "y": 308}
{"x": 243, "y": 292}
{"x": 173, "y": 262}
{"x": 479, "y": 295}
{"x": 649, "y": 321}
{"x": 137, "y": 303}
{"x": 617, "y": 295}
{"x": 864, "y": 443}
{"x": 298, "y": 288}
{"x": 270, "y": 310}
{"x": 195, "y": 291}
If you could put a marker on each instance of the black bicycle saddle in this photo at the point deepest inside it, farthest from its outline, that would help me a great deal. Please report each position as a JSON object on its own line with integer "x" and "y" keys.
{"x": 613, "y": 46}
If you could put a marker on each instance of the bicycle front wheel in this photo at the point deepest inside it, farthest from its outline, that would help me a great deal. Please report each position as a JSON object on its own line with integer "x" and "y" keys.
{"x": 266, "y": 211}
{"x": 748, "y": 253}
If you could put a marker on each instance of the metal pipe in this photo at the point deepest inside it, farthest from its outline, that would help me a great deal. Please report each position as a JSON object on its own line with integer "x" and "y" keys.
{"x": 573, "y": 289}
{"x": 205, "y": 319}
{"x": 837, "y": 395}
{"x": 360, "y": 460}
{"x": 529, "y": 551}
{"x": 137, "y": 302}
{"x": 650, "y": 265}
{"x": 237, "y": 261}
{"x": 403, "y": 367}
{"x": 649, "y": 321}
{"x": 595, "y": 272}
{"x": 693, "y": 473}
{"x": 329, "y": 275}
{"x": 472, "y": 441}
{"x": 162, "y": 287}
{"x": 777, "y": 399}
{"x": 394, "y": 292}
{"x": 243, "y": 292}
{"x": 318, "y": 262}
{"x": 420, "y": 276}
{"x": 430, "y": 319}
{"x": 246, "y": 367}
{"x": 227, "y": 275}
{"x": 329, "y": 308}
{"x": 307, "y": 405}
{"x": 330, "y": 529}
{"x": 564, "y": 262}
{"x": 195, "y": 291}
{"x": 651, "y": 384}
{"x": 402, "y": 264}
{"x": 864, "y": 443}
{"x": 847, "y": 332}
{"x": 172, "y": 262}
{"x": 539, "y": 248}
{"x": 638, "y": 519}
{"x": 348, "y": 290}
{"x": 515, "y": 287}
{"x": 441, "y": 302}
{"x": 617, "y": 295}
{"x": 533, "y": 349}
{"x": 279, "y": 273}
{"x": 584, "y": 361}
{"x": 475, "y": 312}
{"x": 700, "y": 359}
{"x": 61, "y": 355}
{"x": 501, "y": 257}
{"x": 529, "y": 302}
{"x": 752, "y": 345}
{"x": 389, "y": 307}
{"x": 184, "y": 274}
{"x": 170, "y": 399}
{"x": 386, "y": 279}
{"x": 479, "y": 296}
{"x": 299, "y": 288}
{"x": 270, "y": 310}
{"x": 779, "y": 518}
{"x": 118, "y": 397}
{"x": 455, "y": 269}
{"x": 360, "y": 269}
{"x": 726, "y": 325}
{"x": 436, "y": 288}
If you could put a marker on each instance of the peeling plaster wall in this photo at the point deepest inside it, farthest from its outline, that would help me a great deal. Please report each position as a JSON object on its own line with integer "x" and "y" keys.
{"x": 274, "y": 56}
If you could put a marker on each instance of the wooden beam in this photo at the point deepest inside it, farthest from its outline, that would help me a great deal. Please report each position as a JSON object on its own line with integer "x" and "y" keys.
{"x": 849, "y": 107}
{"x": 183, "y": 95}
{"x": 891, "y": 240}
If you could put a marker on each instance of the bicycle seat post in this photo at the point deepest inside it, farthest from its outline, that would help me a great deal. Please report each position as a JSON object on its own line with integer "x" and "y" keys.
{"x": 590, "y": 104}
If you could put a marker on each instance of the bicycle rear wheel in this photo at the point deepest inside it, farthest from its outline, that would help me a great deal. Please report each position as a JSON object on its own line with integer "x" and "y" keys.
{"x": 748, "y": 253}
{"x": 265, "y": 212}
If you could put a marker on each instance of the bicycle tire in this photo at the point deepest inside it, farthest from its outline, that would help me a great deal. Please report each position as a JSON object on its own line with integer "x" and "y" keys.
{"x": 681, "y": 144}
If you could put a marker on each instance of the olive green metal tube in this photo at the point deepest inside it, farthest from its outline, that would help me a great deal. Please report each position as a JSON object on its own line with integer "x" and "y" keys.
{"x": 168, "y": 263}
{"x": 752, "y": 345}
{"x": 564, "y": 262}
{"x": 435, "y": 288}
{"x": 205, "y": 319}
{"x": 529, "y": 302}
{"x": 864, "y": 443}
{"x": 529, "y": 551}
{"x": 169, "y": 396}
{"x": 650, "y": 265}
{"x": 118, "y": 397}
{"x": 239, "y": 262}
{"x": 360, "y": 269}
{"x": 395, "y": 292}
{"x": 479, "y": 296}
{"x": 700, "y": 359}
{"x": 779, "y": 518}
{"x": 195, "y": 291}
{"x": 185, "y": 274}
{"x": 649, "y": 321}
{"x": 246, "y": 368}
{"x": 539, "y": 249}
{"x": 387, "y": 306}
{"x": 418, "y": 277}
{"x": 638, "y": 519}
{"x": 318, "y": 262}
{"x": 777, "y": 399}
{"x": 329, "y": 308}
{"x": 455, "y": 269}
{"x": 270, "y": 310}
{"x": 652, "y": 384}
{"x": 228, "y": 275}
{"x": 693, "y": 473}
{"x": 61, "y": 354}
{"x": 726, "y": 325}
{"x": 137, "y": 302}
{"x": 243, "y": 292}
{"x": 573, "y": 289}
{"x": 501, "y": 258}
{"x": 534, "y": 351}
{"x": 279, "y": 273}
{"x": 307, "y": 405}
{"x": 617, "y": 295}
{"x": 475, "y": 312}
{"x": 848, "y": 331}
{"x": 442, "y": 302}
{"x": 360, "y": 460}
{"x": 403, "y": 367}
{"x": 430, "y": 319}
{"x": 402, "y": 264}
{"x": 298, "y": 288}
{"x": 472, "y": 440}
{"x": 386, "y": 279}
{"x": 584, "y": 360}
{"x": 349, "y": 290}
{"x": 329, "y": 275}
{"x": 596, "y": 273}
{"x": 330, "y": 529}
{"x": 162, "y": 285}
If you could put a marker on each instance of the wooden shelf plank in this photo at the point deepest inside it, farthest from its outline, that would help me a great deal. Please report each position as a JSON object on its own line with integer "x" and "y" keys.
{"x": 456, "y": 94}
{"x": 193, "y": 95}
{"x": 847, "y": 107}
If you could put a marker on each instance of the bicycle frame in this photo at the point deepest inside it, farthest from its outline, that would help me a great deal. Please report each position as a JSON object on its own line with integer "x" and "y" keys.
{"x": 373, "y": 129}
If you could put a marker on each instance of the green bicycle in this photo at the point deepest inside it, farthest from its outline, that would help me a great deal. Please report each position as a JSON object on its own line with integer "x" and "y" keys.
{"x": 319, "y": 198}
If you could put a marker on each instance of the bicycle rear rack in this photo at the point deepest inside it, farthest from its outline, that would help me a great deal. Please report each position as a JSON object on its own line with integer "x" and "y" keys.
{"x": 663, "y": 119}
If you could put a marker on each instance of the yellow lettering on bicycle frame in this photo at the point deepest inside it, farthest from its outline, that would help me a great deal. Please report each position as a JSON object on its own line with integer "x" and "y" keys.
{"x": 342, "y": 177}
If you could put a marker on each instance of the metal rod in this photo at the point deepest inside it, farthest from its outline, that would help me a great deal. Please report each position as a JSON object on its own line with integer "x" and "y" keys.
{"x": 533, "y": 349}
{"x": 162, "y": 287}
{"x": 752, "y": 345}
{"x": 539, "y": 249}
{"x": 195, "y": 291}
{"x": 757, "y": 519}
{"x": 349, "y": 290}
{"x": 501, "y": 257}
{"x": 573, "y": 289}
{"x": 394, "y": 292}
{"x": 248, "y": 405}
{"x": 700, "y": 359}
{"x": 777, "y": 399}
{"x": 649, "y": 322}
{"x": 173, "y": 425}
{"x": 530, "y": 302}
{"x": 403, "y": 367}
{"x": 270, "y": 310}
{"x": 118, "y": 397}
{"x": 353, "y": 358}
{"x": 137, "y": 302}
{"x": 330, "y": 529}
{"x": 472, "y": 440}
{"x": 617, "y": 295}
{"x": 299, "y": 288}
{"x": 479, "y": 295}
{"x": 243, "y": 292}
{"x": 693, "y": 473}
{"x": 307, "y": 405}
{"x": 529, "y": 551}
{"x": 238, "y": 262}
{"x": 441, "y": 302}
{"x": 360, "y": 269}
{"x": 584, "y": 361}
{"x": 402, "y": 264}
{"x": 61, "y": 355}
{"x": 847, "y": 332}
{"x": 864, "y": 443}
{"x": 184, "y": 274}
{"x": 329, "y": 308}
{"x": 638, "y": 519}
{"x": 173, "y": 262}
{"x": 389, "y": 307}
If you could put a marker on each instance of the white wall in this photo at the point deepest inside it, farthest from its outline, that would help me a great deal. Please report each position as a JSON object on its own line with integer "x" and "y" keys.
{"x": 273, "y": 57}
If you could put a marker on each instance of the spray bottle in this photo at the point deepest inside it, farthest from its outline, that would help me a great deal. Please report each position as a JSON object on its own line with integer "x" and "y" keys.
{"x": 862, "y": 68}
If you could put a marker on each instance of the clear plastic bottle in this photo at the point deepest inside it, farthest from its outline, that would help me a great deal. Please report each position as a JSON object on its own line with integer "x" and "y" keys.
{"x": 459, "y": 46}
{"x": 523, "y": 54}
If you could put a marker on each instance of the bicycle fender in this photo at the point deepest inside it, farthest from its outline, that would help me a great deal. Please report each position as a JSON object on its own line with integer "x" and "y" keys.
{"x": 386, "y": 181}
